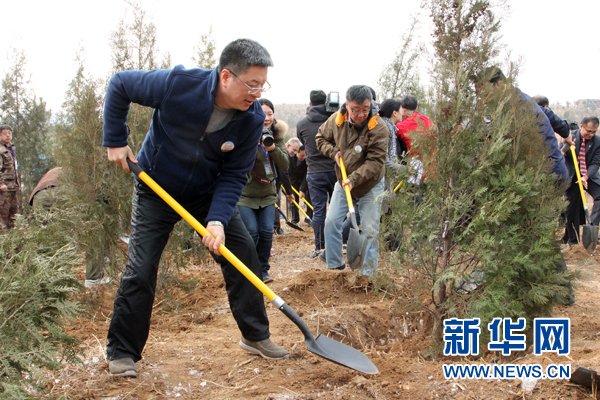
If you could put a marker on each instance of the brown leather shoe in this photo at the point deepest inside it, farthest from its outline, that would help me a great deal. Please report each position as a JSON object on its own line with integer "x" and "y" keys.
{"x": 123, "y": 367}
{"x": 265, "y": 348}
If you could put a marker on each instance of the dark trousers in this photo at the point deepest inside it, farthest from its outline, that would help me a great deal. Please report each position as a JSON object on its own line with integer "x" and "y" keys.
{"x": 152, "y": 221}
{"x": 575, "y": 214}
{"x": 295, "y": 213}
{"x": 320, "y": 186}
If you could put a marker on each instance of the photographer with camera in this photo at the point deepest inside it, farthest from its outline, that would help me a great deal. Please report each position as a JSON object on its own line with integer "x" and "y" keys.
{"x": 320, "y": 174}
{"x": 257, "y": 203}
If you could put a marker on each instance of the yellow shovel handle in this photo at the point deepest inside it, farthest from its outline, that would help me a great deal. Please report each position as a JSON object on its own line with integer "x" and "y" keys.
{"x": 305, "y": 202}
{"x": 346, "y": 188}
{"x": 398, "y": 187}
{"x": 202, "y": 230}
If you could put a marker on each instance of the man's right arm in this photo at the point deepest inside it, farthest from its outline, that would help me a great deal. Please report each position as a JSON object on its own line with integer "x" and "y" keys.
{"x": 147, "y": 88}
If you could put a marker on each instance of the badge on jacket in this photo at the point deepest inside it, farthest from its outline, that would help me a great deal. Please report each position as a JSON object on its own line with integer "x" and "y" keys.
{"x": 227, "y": 146}
{"x": 358, "y": 149}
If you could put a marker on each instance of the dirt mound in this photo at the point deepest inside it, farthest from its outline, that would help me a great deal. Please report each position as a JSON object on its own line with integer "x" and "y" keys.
{"x": 193, "y": 351}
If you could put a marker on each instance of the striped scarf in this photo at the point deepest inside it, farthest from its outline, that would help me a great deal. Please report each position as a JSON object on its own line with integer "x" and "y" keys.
{"x": 581, "y": 158}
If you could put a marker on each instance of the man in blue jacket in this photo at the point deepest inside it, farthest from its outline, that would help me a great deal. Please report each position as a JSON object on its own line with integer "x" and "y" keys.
{"x": 199, "y": 147}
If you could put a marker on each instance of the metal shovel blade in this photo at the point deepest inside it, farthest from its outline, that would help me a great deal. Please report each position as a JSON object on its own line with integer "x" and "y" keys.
{"x": 589, "y": 237}
{"x": 293, "y": 225}
{"x": 328, "y": 348}
{"x": 357, "y": 246}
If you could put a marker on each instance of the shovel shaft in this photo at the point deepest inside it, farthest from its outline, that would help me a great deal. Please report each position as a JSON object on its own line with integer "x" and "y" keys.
{"x": 305, "y": 202}
{"x": 201, "y": 230}
{"x": 346, "y": 188}
{"x": 398, "y": 187}
{"x": 296, "y": 204}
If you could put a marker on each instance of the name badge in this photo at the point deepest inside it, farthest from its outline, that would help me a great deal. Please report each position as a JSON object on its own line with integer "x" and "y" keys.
{"x": 227, "y": 146}
{"x": 268, "y": 170}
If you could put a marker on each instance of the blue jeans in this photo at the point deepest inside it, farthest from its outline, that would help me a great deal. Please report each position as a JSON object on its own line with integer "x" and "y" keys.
{"x": 369, "y": 207}
{"x": 320, "y": 186}
{"x": 259, "y": 223}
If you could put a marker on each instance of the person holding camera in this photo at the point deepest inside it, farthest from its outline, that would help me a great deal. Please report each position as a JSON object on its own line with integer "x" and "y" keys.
{"x": 257, "y": 203}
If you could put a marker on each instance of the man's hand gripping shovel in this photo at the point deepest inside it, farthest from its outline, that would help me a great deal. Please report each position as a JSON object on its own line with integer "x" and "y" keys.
{"x": 321, "y": 345}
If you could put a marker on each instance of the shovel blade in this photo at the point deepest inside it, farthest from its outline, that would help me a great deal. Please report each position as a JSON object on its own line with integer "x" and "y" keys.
{"x": 293, "y": 225}
{"x": 589, "y": 237}
{"x": 356, "y": 249}
{"x": 341, "y": 354}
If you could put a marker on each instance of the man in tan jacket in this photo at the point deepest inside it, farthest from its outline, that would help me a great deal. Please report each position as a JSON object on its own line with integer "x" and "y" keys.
{"x": 360, "y": 137}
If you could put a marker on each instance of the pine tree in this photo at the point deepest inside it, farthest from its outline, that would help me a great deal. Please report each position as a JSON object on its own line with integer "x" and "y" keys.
{"x": 205, "y": 51}
{"x": 30, "y": 120}
{"x": 481, "y": 243}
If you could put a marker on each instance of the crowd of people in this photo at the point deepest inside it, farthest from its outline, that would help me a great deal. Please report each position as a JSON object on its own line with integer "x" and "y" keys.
{"x": 216, "y": 147}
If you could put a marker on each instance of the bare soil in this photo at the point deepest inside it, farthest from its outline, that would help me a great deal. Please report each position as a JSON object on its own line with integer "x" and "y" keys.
{"x": 193, "y": 352}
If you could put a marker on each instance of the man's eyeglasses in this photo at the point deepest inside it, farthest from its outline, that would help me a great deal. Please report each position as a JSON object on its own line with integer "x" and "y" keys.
{"x": 252, "y": 90}
{"x": 590, "y": 130}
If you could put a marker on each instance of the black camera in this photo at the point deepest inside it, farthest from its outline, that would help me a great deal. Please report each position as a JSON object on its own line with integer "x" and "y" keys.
{"x": 333, "y": 102}
{"x": 267, "y": 138}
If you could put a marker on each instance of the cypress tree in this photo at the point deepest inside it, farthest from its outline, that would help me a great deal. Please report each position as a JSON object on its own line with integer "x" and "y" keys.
{"x": 37, "y": 283}
{"x": 478, "y": 235}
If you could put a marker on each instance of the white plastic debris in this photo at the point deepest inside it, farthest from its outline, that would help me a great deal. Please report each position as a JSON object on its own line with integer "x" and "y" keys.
{"x": 528, "y": 385}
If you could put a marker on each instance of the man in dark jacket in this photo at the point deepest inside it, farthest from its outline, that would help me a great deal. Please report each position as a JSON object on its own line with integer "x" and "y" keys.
{"x": 297, "y": 171}
{"x": 560, "y": 126}
{"x": 200, "y": 146}
{"x": 320, "y": 176}
{"x": 587, "y": 149}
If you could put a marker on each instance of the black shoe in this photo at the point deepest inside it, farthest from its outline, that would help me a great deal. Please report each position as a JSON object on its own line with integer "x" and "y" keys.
{"x": 280, "y": 231}
{"x": 267, "y": 278}
{"x": 341, "y": 267}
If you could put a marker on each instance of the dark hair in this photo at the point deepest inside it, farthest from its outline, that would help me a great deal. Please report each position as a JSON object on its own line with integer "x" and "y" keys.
{"x": 274, "y": 127}
{"x": 317, "y": 97}
{"x": 359, "y": 94}
{"x": 541, "y": 100}
{"x": 387, "y": 108}
{"x": 573, "y": 126}
{"x": 373, "y": 93}
{"x": 242, "y": 54}
{"x": 409, "y": 102}
{"x": 4, "y": 126}
{"x": 266, "y": 102}
{"x": 593, "y": 120}
{"x": 301, "y": 148}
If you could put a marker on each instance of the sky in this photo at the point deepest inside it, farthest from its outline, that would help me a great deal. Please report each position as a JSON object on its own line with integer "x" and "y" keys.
{"x": 314, "y": 44}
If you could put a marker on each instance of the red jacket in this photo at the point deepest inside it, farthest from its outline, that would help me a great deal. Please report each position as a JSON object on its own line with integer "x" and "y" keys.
{"x": 414, "y": 122}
